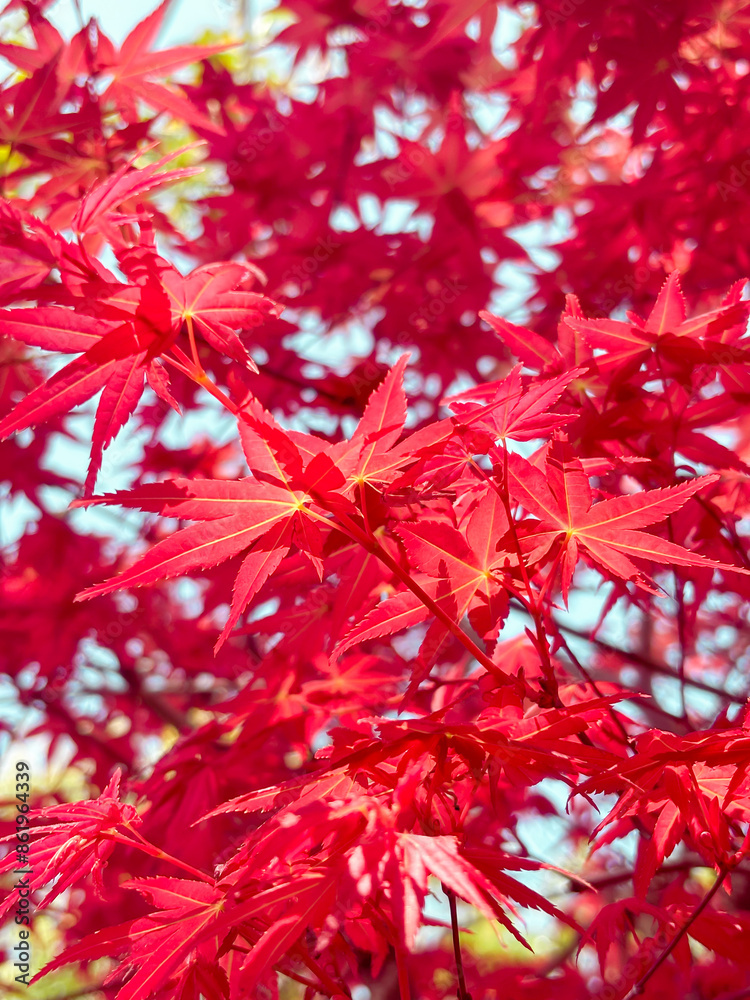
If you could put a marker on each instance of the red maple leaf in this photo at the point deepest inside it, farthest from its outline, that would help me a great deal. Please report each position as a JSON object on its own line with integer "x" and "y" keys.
{"x": 668, "y": 334}
{"x": 609, "y": 531}
{"x": 72, "y": 841}
{"x": 130, "y": 327}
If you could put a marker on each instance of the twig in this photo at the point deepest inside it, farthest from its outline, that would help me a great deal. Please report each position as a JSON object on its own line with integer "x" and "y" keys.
{"x": 463, "y": 993}
{"x": 656, "y": 668}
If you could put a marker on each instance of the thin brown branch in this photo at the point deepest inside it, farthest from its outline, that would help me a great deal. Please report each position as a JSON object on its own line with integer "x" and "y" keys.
{"x": 463, "y": 993}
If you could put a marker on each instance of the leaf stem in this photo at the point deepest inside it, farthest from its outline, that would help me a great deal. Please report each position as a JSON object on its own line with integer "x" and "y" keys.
{"x": 334, "y": 989}
{"x": 463, "y": 993}
{"x": 193, "y": 345}
{"x": 535, "y": 603}
{"x": 647, "y": 664}
{"x": 586, "y": 674}
{"x": 144, "y": 845}
{"x": 373, "y": 545}
{"x": 194, "y": 370}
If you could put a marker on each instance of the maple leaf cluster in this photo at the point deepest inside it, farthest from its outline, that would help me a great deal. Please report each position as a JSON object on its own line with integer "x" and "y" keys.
{"x": 421, "y": 609}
